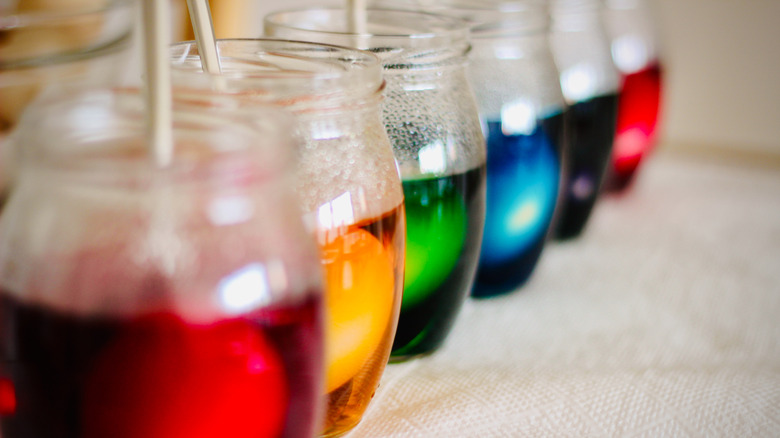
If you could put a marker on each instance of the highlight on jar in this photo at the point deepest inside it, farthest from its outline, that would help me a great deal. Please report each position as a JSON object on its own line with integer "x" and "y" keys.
{"x": 348, "y": 185}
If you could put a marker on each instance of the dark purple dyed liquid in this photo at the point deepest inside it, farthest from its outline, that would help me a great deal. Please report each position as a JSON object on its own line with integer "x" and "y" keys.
{"x": 591, "y": 134}
{"x": 257, "y": 374}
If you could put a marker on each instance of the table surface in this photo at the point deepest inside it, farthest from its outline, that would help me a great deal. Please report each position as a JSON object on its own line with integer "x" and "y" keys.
{"x": 662, "y": 319}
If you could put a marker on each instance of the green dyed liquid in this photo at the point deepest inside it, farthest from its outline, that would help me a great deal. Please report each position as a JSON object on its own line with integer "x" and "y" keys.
{"x": 444, "y": 220}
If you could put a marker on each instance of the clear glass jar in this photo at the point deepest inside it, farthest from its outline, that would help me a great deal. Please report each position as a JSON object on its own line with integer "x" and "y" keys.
{"x": 145, "y": 301}
{"x": 431, "y": 116}
{"x": 52, "y": 44}
{"x": 522, "y": 110}
{"x": 590, "y": 83}
{"x": 634, "y": 41}
{"x": 349, "y": 187}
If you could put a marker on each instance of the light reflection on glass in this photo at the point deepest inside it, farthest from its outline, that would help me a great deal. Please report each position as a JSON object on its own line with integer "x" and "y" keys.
{"x": 326, "y": 130}
{"x": 518, "y": 118}
{"x": 230, "y": 210}
{"x": 579, "y": 82}
{"x": 245, "y": 289}
{"x": 508, "y": 53}
{"x": 524, "y": 216}
{"x": 336, "y": 213}
{"x": 433, "y": 158}
{"x": 630, "y": 53}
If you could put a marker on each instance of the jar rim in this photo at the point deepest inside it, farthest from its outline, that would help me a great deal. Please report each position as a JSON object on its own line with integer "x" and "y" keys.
{"x": 115, "y": 33}
{"x": 499, "y": 18}
{"x": 416, "y": 28}
{"x": 282, "y": 72}
{"x": 403, "y": 39}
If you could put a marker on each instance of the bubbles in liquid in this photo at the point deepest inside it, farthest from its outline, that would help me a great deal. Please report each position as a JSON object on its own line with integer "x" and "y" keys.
{"x": 435, "y": 111}
{"x": 358, "y": 163}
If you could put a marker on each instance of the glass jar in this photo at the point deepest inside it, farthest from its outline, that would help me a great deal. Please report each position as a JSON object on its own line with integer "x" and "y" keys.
{"x": 522, "y": 110}
{"x": 349, "y": 187}
{"x": 635, "y": 49}
{"x": 431, "y": 116}
{"x": 589, "y": 82}
{"x": 48, "y": 45}
{"x": 145, "y": 301}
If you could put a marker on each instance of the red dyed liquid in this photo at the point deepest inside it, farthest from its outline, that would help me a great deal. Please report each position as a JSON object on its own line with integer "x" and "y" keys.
{"x": 637, "y": 123}
{"x": 155, "y": 376}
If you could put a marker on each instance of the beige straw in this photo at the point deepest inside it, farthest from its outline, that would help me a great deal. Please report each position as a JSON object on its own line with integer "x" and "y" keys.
{"x": 159, "y": 120}
{"x": 356, "y": 16}
{"x": 200, "y": 16}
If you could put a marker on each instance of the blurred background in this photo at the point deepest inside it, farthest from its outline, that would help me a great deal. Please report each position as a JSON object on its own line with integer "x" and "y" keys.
{"x": 721, "y": 59}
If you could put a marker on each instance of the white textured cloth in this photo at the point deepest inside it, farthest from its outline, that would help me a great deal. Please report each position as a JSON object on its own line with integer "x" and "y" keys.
{"x": 663, "y": 319}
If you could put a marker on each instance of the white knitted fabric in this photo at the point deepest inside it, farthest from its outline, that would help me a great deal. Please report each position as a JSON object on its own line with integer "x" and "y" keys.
{"x": 663, "y": 319}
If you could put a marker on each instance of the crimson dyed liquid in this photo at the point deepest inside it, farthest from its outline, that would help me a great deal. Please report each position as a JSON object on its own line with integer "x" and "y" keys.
{"x": 637, "y": 124}
{"x": 155, "y": 376}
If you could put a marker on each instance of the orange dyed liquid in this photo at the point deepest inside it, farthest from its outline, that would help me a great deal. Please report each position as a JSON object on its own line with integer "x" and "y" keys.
{"x": 363, "y": 265}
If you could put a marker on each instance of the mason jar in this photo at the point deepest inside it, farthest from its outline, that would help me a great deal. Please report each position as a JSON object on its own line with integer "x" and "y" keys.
{"x": 147, "y": 301}
{"x": 348, "y": 185}
{"x": 430, "y": 114}
{"x": 56, "y": 44}
{"x": 634, "y": 41}
{"x": 589, "y": 82}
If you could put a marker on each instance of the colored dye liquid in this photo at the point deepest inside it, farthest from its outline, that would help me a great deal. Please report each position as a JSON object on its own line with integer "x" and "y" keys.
{"x": 591, "y": 134}
{"x": 156, "y": 375}
{"x": 363, "y": 265}
{"x": 637, "y": 124}
{"x": 524, "y": 172}
{"x": 444, "y": 222}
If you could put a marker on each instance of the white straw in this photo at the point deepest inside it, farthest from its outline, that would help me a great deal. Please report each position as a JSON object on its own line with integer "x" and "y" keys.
{"x": 200, "y": 16}
{"x": 356, "y": 16}
{"x": 159, "y": 120}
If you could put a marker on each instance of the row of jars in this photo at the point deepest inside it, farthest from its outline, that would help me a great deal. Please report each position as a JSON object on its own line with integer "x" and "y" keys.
{"x": 421, "y": 157}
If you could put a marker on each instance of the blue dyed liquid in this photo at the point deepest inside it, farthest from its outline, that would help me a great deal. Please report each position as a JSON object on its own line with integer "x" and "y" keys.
{"x": 524, "y": 171}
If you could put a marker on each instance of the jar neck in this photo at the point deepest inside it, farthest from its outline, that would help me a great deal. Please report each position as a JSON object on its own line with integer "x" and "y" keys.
{"x": 140, "y": 176}
{"x": 422, "y": 62}
{"x": 101, "y": 141}
{"x": 239, "y": 94}
{"x": 626, "y": 4}
{"x": 575, "y": 15}
{"x": 499, "y": 19}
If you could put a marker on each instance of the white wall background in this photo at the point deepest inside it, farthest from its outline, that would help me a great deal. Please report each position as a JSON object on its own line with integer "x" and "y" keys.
{"x": 722, "y": 69}
{"x": 723, "y": 65}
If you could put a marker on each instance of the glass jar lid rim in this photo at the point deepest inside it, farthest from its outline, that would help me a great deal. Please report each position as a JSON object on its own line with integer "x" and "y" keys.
{"x": 286, "y": 68}
{"x": 507, "y": 17}
{"x": 416, "y": 24}
{"x": 18, "y": 19}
